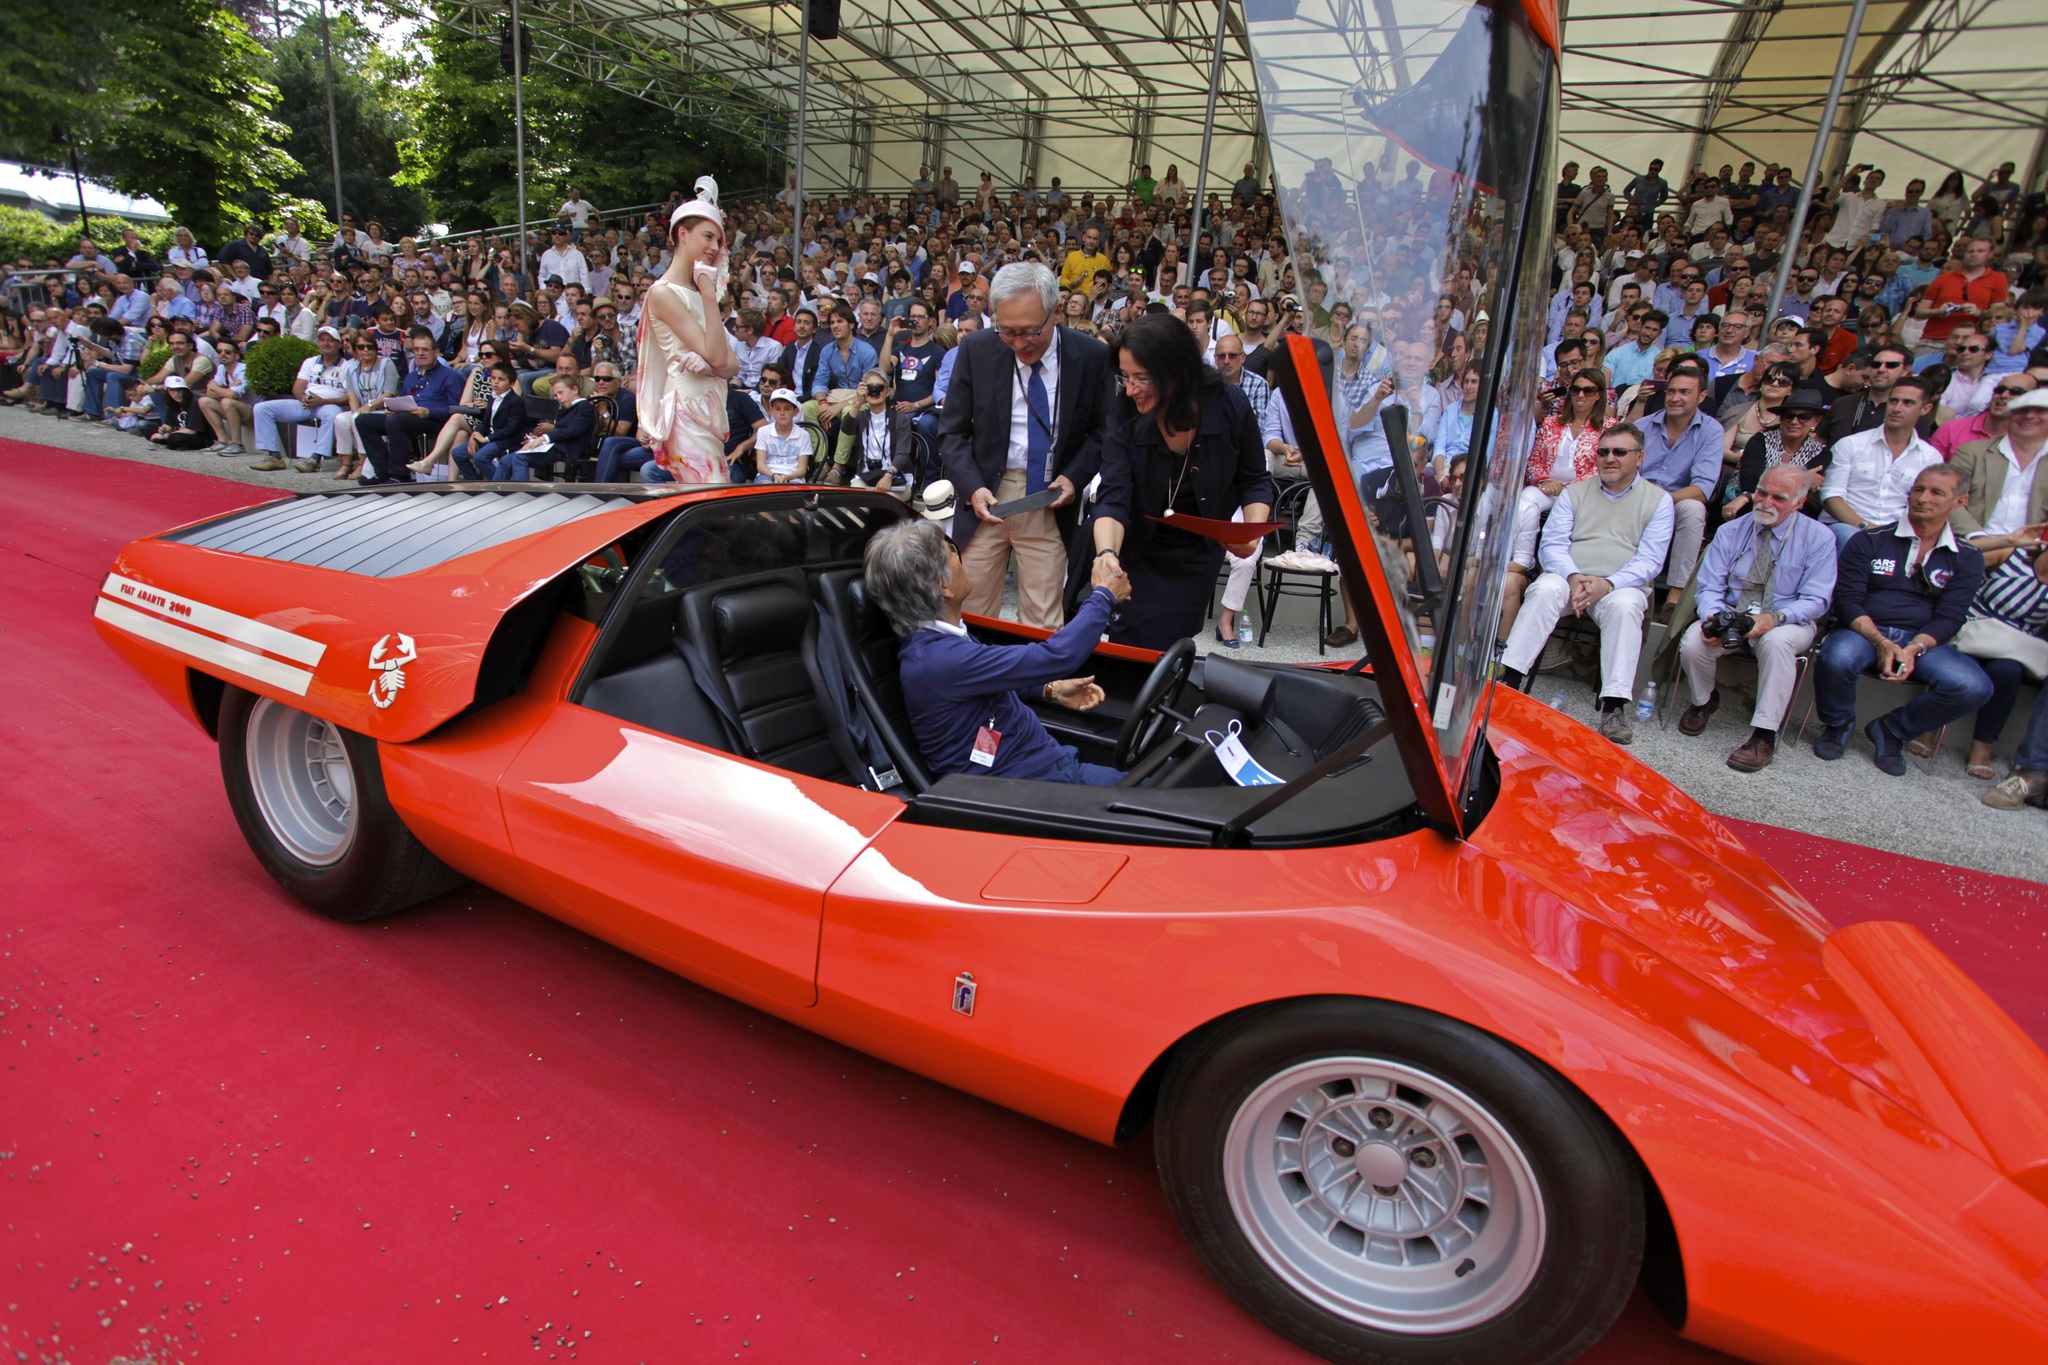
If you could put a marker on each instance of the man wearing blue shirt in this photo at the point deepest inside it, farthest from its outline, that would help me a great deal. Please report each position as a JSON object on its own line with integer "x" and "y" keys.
{"x": 387, "y": 437}
{"x": 1682, "y": 449}
{"x": 1631, "y": 361}
{"x": 967, "y": 700}
{"x": 1775, "y": 565}
{"x": 846, "y": 359}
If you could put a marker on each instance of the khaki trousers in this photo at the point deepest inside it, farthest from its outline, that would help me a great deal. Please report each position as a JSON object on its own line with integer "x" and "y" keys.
{"x": 1777, "y": 664}
{"x": 1034, "y": 538}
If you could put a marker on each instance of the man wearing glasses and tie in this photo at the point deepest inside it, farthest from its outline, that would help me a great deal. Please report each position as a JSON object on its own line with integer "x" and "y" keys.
{"x": 1022, "y": 420}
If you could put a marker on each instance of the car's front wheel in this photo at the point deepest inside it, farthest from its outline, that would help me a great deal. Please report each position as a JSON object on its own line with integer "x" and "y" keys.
{"x": 310, "y": 799}
{"x": 1377, "y": 1182}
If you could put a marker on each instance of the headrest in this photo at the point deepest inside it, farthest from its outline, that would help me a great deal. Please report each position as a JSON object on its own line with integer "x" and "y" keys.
{"x": 1239, "y": 686}
{"x": 767, "y": 618}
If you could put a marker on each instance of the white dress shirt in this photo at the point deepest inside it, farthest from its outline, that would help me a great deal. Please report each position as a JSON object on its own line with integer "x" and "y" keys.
{"x": 1866, "y": 476}
{"x": 567, "y": 262}
{"x": 1020, "y": 407}
{"x": 2009, "y": 513}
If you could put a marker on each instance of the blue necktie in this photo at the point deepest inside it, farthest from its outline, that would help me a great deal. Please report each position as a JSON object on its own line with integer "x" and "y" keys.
{"x": 1038, "y": 441}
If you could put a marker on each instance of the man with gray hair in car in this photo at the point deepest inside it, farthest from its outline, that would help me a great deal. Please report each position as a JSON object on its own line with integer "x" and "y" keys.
{"x": 967, "y": 700}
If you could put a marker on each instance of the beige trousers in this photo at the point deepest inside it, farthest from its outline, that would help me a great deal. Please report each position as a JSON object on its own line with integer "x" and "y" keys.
{"x": 1777, "y": 664}
{"x": 1034, "y": 538}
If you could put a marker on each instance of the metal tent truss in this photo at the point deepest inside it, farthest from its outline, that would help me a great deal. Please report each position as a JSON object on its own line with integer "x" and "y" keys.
{"x": 1088, "y": 90}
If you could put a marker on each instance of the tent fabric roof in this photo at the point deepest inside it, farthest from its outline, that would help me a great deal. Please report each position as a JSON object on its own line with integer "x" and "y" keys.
{"x": 1088, "y": 89}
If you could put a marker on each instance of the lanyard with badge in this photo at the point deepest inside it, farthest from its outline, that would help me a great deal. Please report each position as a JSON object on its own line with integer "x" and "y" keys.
{"x": 983, "y": 754}
{"x": 1237, "y": 761}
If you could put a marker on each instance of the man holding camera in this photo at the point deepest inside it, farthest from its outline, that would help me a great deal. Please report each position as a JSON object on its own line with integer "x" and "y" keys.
{"x": 1903, "y": 590}
{"x": 1767, "y": 581}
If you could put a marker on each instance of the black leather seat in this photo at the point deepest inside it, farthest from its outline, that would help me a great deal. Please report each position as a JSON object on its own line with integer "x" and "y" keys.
{"x": 756, "y": 641}
{"x": 867, "y": 646}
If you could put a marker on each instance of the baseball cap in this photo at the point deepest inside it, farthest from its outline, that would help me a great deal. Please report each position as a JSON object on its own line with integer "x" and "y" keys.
{"x": 2036, "y": 398}
{"x": 174, "y": 382}
{"x": 328, "y": 332}
{"x": 786, "y": 396}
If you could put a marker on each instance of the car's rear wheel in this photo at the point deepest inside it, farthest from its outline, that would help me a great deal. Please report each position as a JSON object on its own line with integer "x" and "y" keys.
{"x": 310, "y": 799}
{"x": 1376, "y": 1182}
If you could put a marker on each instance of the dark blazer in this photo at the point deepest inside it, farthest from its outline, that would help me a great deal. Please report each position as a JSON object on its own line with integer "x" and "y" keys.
{"x": 1226, "y": 466}
{"x": 802, "y": 382}
{"x": 574, "y": 435}
{"x": 854, "y": 434}
{"x": 974, "y": 424}
{"x": 508, "y": 424}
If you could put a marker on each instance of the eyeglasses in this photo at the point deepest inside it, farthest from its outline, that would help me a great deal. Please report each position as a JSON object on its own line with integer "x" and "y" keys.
{"x": 1971, "y": 350}
{"x": 1134, "y": 381}
{"x": 2011, "y": 390}
{"x": 1586, "y": 388}
{"x": 1616, "y": 451}
{"x": 1801, "y": 416}
{"x": 1777, "y": 379}
{"x": 1888, "y": 364}
{"x": 1025, "y": 333}
{"x": 605, "y": 378}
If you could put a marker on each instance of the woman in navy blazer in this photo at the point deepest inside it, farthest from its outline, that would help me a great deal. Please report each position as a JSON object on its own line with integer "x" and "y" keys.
{"x": 1180, "y": 441}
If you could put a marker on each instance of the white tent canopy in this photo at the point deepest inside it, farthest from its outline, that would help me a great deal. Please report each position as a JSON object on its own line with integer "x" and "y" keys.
{"x": 1087, "y": 91}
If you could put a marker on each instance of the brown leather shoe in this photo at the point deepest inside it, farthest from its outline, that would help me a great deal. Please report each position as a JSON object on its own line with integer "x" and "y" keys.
{"x": 1753, "y": 757}
{"x": 1694, "y": 718}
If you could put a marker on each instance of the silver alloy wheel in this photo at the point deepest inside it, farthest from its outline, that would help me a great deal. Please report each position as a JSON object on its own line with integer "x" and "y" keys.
{"x": 303, "y": 781}
{"x": 1384, "y": 1195}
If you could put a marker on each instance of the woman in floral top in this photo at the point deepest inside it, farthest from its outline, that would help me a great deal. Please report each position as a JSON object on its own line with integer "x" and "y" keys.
{"x": 1562, "y": 455}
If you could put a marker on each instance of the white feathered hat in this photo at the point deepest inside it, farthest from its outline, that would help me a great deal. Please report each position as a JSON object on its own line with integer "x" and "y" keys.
{"x": 705, "y": 205}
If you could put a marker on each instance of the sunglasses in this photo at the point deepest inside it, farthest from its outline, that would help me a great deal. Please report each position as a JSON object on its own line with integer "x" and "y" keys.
{"x": 1585, "y": 388}
{"x": 2011, "y": 390}
{"x": 1971, "y": 350}
{"x": 1616, "y": 451}
{"x": 1775, "y": 379}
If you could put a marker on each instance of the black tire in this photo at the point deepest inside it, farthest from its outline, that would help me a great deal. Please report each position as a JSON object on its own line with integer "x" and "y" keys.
{"x": 379, "y": 867}
{"x": 1577, "y": 1274}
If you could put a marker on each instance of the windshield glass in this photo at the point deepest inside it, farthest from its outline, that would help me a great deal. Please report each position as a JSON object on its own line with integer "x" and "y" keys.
{"x": 1410, "y": 148}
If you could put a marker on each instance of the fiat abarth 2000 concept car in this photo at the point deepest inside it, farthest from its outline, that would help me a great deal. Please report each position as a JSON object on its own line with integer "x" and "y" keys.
{"x": 1447, "y": 1041}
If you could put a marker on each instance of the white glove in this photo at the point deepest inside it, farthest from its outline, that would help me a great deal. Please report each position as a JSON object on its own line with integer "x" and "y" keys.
{"x": 707, "y": 276}
{"x": 694, "y": 363}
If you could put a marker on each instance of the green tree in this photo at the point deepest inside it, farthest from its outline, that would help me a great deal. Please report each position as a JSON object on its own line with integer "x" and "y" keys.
{"x": 165, "y": 98}
{"x": 616, "y": 148}
{"x": 370, "y": 115}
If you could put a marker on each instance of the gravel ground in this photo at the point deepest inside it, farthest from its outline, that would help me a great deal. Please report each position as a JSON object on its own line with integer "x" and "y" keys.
{"x": 1933, "y": 812}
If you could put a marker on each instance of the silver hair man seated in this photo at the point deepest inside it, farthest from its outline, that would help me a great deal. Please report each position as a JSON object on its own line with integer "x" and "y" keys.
{"x": 967, "y": 701}
{"x": 1767, "y": 581}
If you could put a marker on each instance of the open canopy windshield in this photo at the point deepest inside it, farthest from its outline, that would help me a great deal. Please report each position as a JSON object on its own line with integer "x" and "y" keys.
{"x": 1410, "y": 143}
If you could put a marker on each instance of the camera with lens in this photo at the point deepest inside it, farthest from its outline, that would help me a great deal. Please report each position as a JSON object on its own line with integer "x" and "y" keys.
{"x": 1733, "y": 627}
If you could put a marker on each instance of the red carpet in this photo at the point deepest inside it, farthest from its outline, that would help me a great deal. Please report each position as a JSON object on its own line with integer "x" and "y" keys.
{"x": 230, "y": 1131}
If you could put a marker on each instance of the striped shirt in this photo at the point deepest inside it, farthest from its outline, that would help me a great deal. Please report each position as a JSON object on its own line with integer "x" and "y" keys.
{"x": 2014, "y": 594}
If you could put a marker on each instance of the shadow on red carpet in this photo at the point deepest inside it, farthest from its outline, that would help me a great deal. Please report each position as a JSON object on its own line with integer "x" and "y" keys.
{"x": 231, "y": 1131}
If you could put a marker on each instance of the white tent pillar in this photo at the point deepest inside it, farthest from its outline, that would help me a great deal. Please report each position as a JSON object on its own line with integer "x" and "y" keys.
{"x": 519, "y": 129}
{"x": 1813, "y": 160}
{"x": 1208, "y": 135}
{"x": 803, "y": 94}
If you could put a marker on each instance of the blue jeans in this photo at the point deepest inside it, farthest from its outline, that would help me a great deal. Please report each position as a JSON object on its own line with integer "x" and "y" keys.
{"x": 1956, "y": 686}
{"x": 1068, "y": 767}
{"x": 103, "y": 387}
{"x": 480, "y": 465}
{"x": 1843, "y": 531}
{"x": 511, "y": 466}
{"x": 616, "y": 455}
{"x": 651, "y": 472}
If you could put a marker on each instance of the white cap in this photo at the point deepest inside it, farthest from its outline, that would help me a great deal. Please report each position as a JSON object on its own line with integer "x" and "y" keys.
{"x": 2033, "y": 398}
{"x": 786, "y": 396}
{"x": 328, "y": 332}
{"x": 174, "y": 382}
{"x": 705, "y": 205}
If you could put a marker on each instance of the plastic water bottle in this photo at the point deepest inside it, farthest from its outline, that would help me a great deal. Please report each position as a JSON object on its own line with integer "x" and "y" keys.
{"x": 1557, "y": 701}
{"x": 1244, "y": 628}
{"x": 1646, "y": 705}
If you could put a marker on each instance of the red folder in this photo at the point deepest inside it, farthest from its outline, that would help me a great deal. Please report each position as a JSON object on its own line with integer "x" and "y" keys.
{"x": 1228, "y": 532}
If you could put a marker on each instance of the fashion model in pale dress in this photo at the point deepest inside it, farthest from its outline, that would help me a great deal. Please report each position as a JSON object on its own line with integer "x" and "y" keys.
{"x": 685, "y": 355}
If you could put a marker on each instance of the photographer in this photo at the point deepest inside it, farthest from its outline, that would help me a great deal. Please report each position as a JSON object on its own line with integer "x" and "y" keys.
{"x": 1767, "y": 580}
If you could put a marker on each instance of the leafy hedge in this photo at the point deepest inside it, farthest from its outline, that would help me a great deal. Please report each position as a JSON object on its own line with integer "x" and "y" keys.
{"x": 153, "y": 357}
{"x": 24, "y": 232}
{"x": 274, "y": 364}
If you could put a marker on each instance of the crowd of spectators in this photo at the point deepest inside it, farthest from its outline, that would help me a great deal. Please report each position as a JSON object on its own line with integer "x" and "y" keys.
{"x": 1908, "y": 340}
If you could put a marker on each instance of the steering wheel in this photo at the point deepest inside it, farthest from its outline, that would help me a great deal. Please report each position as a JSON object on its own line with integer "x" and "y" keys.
{"x": 1168, "y": 677}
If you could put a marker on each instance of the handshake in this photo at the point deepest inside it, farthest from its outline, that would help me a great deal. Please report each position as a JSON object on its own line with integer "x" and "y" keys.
{"x": 1109, "y": 573}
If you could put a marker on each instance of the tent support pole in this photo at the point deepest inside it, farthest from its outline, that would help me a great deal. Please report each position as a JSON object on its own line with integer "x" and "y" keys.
{"x": 1821, "y": 135}
{"x": 1208, "y": 133}
{"x": 803, "y": 95}
{"x": 519, "y": 131}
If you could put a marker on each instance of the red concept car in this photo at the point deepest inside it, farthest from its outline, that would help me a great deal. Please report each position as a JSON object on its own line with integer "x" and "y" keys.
{"x": 1447, "y": 1042}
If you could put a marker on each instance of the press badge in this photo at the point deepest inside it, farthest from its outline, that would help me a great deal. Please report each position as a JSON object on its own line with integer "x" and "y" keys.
{"x": 984, "y": 751}
{"x": 1244, "y": 770}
